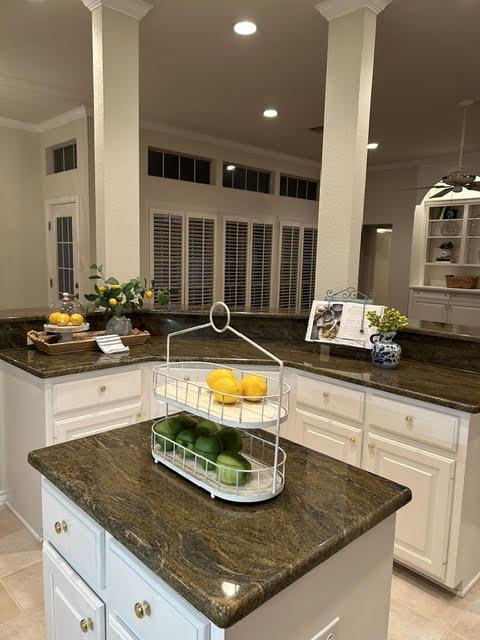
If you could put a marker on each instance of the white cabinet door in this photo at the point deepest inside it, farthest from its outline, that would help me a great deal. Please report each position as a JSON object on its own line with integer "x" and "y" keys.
{"x": 71, "y": 608}
{"x": 465, "y": 312}
{"x": 423, "y": 525}
{"x": 80, "y": 427}
{"x": 330, "y": 437}
{"x": 432, "y": 308}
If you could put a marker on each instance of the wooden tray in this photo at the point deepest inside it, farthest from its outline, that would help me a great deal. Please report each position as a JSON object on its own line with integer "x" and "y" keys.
{"x": 48, "y": 343}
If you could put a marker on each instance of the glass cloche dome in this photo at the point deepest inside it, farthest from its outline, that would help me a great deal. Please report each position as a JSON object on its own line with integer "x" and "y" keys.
{"x": 66, "y": 312}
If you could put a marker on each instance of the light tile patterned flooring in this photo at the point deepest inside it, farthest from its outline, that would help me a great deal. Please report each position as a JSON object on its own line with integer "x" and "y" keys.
{"x": 419, "y": 610}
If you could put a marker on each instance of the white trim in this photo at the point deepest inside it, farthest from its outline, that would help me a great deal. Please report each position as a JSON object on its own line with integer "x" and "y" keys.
{"x": 52, "y": 123}
{"x": 18, "y": 124}
{"x": 137, "y": 9}
{"x": 463, "y": 592}
{"x": 224, "y": 142}
{"x": 332, "y": 9}
{"x": 3, "y": 496}
{"x": 28, "y": 527}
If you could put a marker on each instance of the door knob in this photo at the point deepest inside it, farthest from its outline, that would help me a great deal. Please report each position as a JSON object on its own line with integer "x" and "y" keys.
{"x": 60, "y": 527}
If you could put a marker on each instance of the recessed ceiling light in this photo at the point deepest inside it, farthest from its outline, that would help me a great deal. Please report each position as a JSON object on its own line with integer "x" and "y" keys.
{"x": 245, "y": 28}
{"x": 373, "y": 145}
{"x": 270, "y": 113}
{"x": 231, "y": 167}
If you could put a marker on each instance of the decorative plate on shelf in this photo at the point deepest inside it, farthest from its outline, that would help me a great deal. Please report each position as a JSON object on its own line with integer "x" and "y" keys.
{"x": 450, "y": 228}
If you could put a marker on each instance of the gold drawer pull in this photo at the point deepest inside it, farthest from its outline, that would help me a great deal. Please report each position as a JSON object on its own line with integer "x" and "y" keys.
{"x": 60, "y": 527}
{"x": 353, "y": 440}
{"x": 141, "y": 609}
{"x": 86, "y": 625}
{"x": 409, "y": 420}
{"x": 371, "y": 448}
{"x": 103, "y": 388}
{"x": 326, "y": 395}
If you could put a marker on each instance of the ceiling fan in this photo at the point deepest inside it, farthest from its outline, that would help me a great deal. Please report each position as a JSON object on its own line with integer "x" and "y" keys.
{"x": 457, "y": 180}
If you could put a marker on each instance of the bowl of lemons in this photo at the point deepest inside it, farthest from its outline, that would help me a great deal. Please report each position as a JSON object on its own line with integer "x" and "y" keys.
{"x": 227, "y": 388}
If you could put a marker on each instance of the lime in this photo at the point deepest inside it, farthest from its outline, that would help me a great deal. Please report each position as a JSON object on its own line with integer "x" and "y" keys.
{"x": 188, "y": 421}
{"x": 231, "y": 467}
{"x": 207, "y": 427}
{"x": 169, "y": 428}
{"x": 187, "y": 439}
{"x": 209, "y": 447}
{"x": 231, "y": 439}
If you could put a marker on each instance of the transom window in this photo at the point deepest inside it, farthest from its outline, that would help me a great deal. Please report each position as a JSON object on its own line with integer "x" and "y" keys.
{"x": 303, "y": 188}
{"x": 167, "y": 164}
{"x": 245, "y": 178}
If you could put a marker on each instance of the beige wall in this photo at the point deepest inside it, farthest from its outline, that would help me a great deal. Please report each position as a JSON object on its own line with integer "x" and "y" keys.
{"x": 386, "y": 203}
{"x": 23, "y": 272}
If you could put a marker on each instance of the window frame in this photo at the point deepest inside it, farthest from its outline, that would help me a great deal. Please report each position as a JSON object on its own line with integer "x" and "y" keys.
{"x": 181, "y": 155}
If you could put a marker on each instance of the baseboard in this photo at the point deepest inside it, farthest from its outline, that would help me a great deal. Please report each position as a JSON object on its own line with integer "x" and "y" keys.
{"x": 24, "y": 522}
{"x": 463, "y": 592}
{"x": 3, "y": 497}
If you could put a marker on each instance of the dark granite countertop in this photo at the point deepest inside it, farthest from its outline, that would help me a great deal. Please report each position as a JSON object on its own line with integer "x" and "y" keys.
{"x": 433, "y": 383}
{"x": 225, "y": 559}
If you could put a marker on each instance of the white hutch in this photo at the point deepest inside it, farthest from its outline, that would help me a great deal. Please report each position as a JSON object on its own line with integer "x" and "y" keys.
{"x": 454, "y": 219}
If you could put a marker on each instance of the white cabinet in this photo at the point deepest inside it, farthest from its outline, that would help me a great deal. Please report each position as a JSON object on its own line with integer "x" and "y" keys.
{"x": 71, "y": 608}
{"x": 429, "y": 306}
{"x": 117, "y": 631}
{"x": 445, "y": 306}
{"x": 330, "y": 437}
{"x": 422, "y": 529}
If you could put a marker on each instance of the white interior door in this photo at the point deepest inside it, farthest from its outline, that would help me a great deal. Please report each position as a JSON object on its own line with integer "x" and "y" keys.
{"x": 62, "y": 237}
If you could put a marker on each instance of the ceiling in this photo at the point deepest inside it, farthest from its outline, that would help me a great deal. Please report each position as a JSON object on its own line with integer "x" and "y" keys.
{"x": 197, "y": 75}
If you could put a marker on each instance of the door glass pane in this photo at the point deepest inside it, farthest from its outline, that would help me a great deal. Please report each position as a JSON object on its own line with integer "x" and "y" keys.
{"x": 65, "y": 267}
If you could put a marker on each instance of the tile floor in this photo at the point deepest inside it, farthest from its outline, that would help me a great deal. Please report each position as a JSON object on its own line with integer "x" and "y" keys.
{"x": 419, "y": 610}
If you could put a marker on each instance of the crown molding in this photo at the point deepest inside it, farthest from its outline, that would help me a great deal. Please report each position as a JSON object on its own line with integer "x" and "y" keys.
{"x": 17, "y": 124}
{"x": 331, "y": 9}
{"x": 47, "y": 125}
{"x": 137, "y": 9}
{"x": 224, "y": 142}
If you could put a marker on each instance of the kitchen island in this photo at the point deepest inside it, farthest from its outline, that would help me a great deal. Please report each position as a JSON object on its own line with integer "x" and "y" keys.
{"x": 157, "y": 555}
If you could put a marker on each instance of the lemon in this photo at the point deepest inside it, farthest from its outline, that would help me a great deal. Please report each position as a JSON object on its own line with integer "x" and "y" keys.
{"x": 115, "y": 286}
{"x": 254, "y": 387}
{"x": 102, "y": 289}
{"x": 149, "y": 294}
{"x": 218, "y": 374}
{"x": 63, "y": 319}
{"x": 225, "y": 388}
{"x": 112, "y": 302}
{"x": 53, "y": 317}
{"x": 77, "y": 319}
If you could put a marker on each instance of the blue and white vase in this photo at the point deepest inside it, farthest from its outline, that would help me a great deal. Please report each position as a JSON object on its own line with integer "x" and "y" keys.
{"x": 386, "y": 354}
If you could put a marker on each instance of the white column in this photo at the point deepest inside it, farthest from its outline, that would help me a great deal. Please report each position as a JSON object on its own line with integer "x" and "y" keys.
{"x": 115, "y": 39}
{"x": 351, "y": 45}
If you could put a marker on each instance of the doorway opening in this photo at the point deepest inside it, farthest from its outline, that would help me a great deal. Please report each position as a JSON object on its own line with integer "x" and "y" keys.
{"x": 374, "y": 271}
{"x": 62, "y": 242}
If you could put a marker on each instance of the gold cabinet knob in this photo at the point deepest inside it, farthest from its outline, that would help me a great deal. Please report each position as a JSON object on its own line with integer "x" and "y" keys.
{"x": 60, "y": 527}
{"x": 326, "y": 395}
{"x": 371, "y": 448}
{"x": 86, "y": 625}
{"x": 141, "y": 609}
{"x": 353, "y": 440}
{"x": 103, "y": 388}
{"x": 409, "y": 420}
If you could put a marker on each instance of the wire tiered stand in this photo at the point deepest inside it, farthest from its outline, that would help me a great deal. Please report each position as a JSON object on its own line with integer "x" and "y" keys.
{"x": 183, "y": 385}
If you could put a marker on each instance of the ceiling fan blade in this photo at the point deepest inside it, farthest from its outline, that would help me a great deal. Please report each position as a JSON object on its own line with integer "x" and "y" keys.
{"x": 432, "y": 186}
{"x": 442, "y": 193}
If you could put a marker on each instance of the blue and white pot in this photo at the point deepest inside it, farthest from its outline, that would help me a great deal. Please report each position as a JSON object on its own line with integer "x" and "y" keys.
{"x": 385, "y": 353}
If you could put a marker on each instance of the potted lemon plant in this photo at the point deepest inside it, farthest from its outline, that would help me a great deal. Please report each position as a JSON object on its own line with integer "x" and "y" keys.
{"x": 116, "y": 298}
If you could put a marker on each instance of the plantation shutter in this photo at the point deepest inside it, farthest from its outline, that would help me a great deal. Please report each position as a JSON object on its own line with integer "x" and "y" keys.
{"x": 309, "y": 260}
{"x": 236, "y": 253}
{"x": 261, "y": 274}
{"x": 167, "y": 254}
{"x": 201, "y": 261}
{"x": 289, "y": 259}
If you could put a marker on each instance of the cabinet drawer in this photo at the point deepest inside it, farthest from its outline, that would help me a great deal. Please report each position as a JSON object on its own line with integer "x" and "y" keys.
{"x": 330, "y": 437}
{"x": 78, "y": 538}
{"x": 74, "y": 428}
{"x": 331, "y": 398}
{"x": 425, "y": 425}
{"x": 161, "y": 611}
{"x": 71, "y": 608}
{"x": 96, "y": 392}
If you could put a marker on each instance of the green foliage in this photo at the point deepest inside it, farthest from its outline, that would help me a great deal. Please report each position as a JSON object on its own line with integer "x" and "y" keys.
{"x": 390, "y": 321}
{"x": 116, "y": 298}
